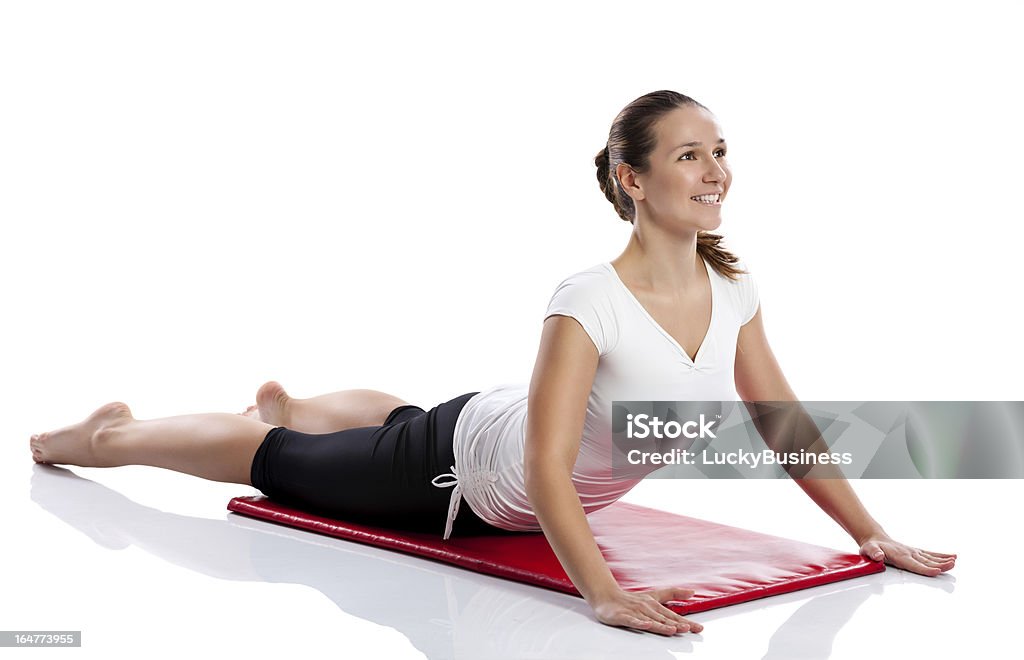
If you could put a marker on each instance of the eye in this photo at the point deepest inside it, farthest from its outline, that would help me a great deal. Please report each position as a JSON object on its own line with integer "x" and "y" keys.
{"x": 720, "y": 153}
{"x": 689, "y": 155}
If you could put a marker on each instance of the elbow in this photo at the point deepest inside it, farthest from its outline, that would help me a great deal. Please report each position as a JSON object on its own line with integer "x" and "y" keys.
{"x": 532, "y": 474}
{"x": 549, "y": 457}
{"x": 539, "y": 472}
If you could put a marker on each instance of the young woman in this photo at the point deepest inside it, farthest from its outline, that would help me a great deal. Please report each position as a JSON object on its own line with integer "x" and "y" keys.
{"x": 673, "y": 318}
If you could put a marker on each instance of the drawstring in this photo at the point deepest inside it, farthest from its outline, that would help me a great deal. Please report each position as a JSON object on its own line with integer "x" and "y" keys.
{"x": 453, "y": 506}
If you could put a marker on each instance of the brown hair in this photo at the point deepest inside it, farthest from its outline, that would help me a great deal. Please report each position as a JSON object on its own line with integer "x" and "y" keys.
{"x": 631, "y": 140}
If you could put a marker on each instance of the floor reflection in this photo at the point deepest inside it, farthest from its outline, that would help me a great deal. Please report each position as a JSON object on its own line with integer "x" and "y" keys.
{"x": 443, "y": 610}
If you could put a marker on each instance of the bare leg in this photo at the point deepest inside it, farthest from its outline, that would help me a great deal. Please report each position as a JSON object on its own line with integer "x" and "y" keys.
{"x": 215, "y": 446}
{"x": 325, "y": 413}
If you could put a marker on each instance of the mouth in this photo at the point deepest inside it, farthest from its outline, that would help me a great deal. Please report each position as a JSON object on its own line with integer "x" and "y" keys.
{"x": 714, "y": 199}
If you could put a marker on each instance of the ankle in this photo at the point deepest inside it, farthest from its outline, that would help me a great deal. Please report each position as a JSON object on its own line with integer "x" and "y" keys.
{"x": 285, "y": 413}
{"x": 103, "y": 444}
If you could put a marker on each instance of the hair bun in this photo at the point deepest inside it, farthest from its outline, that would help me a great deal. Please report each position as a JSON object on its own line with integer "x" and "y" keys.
{"x": 601, "y": 161}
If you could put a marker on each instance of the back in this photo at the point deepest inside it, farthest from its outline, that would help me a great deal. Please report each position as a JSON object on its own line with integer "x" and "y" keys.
{"x": 635, "y": 360}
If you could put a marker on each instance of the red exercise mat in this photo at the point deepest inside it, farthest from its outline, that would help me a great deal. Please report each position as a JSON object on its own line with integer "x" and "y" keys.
{"x": 644, "y": 548}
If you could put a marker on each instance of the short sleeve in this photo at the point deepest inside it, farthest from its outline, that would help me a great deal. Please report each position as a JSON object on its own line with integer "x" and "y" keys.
{"x": 585, "y": 297}
{"x": 749, "y": 297}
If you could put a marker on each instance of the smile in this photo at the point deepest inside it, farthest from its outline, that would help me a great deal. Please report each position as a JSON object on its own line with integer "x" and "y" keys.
{"x": 708, "y": 200}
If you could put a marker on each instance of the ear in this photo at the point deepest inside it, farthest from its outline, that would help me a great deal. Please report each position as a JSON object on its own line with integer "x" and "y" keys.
{"x": 628, "y": 178}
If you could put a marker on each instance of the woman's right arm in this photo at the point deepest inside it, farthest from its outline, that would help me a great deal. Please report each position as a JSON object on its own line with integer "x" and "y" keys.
{"x": 559, "y": 389}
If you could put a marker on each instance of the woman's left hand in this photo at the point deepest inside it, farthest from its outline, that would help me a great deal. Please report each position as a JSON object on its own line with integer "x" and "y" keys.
{"x": 923, "y": 562}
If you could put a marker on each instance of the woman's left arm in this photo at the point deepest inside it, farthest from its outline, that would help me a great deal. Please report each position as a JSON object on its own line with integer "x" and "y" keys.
{"x": 759, "y": 378}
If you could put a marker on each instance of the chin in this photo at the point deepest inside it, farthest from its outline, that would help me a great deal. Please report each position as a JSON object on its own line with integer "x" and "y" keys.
{"x": 706, "y": 221}
{"x": 710, "y": 224}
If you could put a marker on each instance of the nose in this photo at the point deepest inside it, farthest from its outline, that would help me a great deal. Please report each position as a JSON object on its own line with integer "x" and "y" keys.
{"x": 715, "y": 172}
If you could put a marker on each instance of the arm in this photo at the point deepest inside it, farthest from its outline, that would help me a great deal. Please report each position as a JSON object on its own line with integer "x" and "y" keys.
{"x": 562, "y": 378}
{"x": 759, "y": 378}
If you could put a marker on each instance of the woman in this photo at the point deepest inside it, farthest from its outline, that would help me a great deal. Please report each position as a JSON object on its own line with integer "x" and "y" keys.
{"x": 672, "y": 318}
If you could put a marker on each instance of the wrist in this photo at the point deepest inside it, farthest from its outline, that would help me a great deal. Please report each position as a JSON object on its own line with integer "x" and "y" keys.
{"x": 600, "y": 593}
{"x": 875, "y": 533}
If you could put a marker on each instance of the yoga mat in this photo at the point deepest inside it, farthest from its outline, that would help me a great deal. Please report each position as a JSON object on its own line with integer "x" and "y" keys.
{"x": 645, "y": 548}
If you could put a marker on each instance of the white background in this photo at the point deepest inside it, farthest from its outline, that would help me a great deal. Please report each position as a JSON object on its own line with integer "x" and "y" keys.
{"x": 197, "y": 197}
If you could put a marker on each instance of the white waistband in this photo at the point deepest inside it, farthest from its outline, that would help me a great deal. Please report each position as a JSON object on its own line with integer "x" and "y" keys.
{"x": 453, "y": 506}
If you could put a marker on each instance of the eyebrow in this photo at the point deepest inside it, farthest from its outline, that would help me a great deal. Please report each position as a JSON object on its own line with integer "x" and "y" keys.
{"x": 696, "y": 144}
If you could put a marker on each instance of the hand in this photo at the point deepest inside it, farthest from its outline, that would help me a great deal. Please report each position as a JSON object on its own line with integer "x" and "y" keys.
{"x": 923, "y": 562}
{"x": 643, "y": 610}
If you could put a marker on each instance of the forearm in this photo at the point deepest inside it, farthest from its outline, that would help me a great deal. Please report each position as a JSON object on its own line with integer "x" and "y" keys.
{"x": 561, "y": 516}
{"x": 835, "y": 496}
{"x": 786, "y": 427}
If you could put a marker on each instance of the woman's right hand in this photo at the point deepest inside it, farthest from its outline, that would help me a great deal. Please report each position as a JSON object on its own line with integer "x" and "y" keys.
{"x": 643, "y": 610}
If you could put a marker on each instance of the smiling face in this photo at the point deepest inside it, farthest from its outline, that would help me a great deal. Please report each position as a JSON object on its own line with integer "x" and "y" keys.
{"x": 687, "y": 177}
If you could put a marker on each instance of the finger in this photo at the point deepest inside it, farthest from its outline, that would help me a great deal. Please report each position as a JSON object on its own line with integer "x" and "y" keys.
{"x": 940, "y": 566}
{"x": 679, "y": 619}
{"x": 667, "y": 617}
{"x": 931, "y": 563}
{"x": 943, "y": 563}
{"x": 645, "y": 625}
{"x": 660, "y": 613}
{"x": 694, "y": 626}
{"x": 912, "y": 564}
{"x": 938, "y": 556}
{"x": 672, "y": 593}
{"x": 636, "y": 622}
{"x": 872, "y": 550}
{"x": 651, "y": 625}
{"x": 672, "y": 628}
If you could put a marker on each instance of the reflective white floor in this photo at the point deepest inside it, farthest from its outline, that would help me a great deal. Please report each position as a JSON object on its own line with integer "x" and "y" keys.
{"x": 146, "y": 559}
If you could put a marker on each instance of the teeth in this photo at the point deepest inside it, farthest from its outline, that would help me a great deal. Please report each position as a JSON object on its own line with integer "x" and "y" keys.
{"x": 707, "y": 199}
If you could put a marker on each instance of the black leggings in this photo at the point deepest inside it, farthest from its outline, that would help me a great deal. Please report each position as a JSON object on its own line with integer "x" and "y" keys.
{"x": 377, "y": 475}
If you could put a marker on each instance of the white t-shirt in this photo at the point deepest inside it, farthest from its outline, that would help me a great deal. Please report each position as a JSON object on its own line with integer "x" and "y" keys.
{"x": 639, "y": 361}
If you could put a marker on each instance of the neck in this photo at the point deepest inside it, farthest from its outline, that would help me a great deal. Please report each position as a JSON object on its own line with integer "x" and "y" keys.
{"x": 661, "y": 261}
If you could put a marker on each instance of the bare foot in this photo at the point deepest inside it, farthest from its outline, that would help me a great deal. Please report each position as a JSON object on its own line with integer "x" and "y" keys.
{"x": 274, "y": 404}
{"x": 73, "y": 445}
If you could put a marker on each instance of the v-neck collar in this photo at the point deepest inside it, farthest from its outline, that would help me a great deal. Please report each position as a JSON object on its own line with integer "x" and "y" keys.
{"x": 670, "y": 338}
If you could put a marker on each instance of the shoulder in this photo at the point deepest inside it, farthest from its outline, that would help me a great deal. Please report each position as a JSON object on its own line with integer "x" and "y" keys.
{"x": 743, "y": 290}
{"x": 587, "y": 296}
{"x": 745, "y": 278}
{"x": 594, "y": 277}
{"x": 592, "y": 284}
